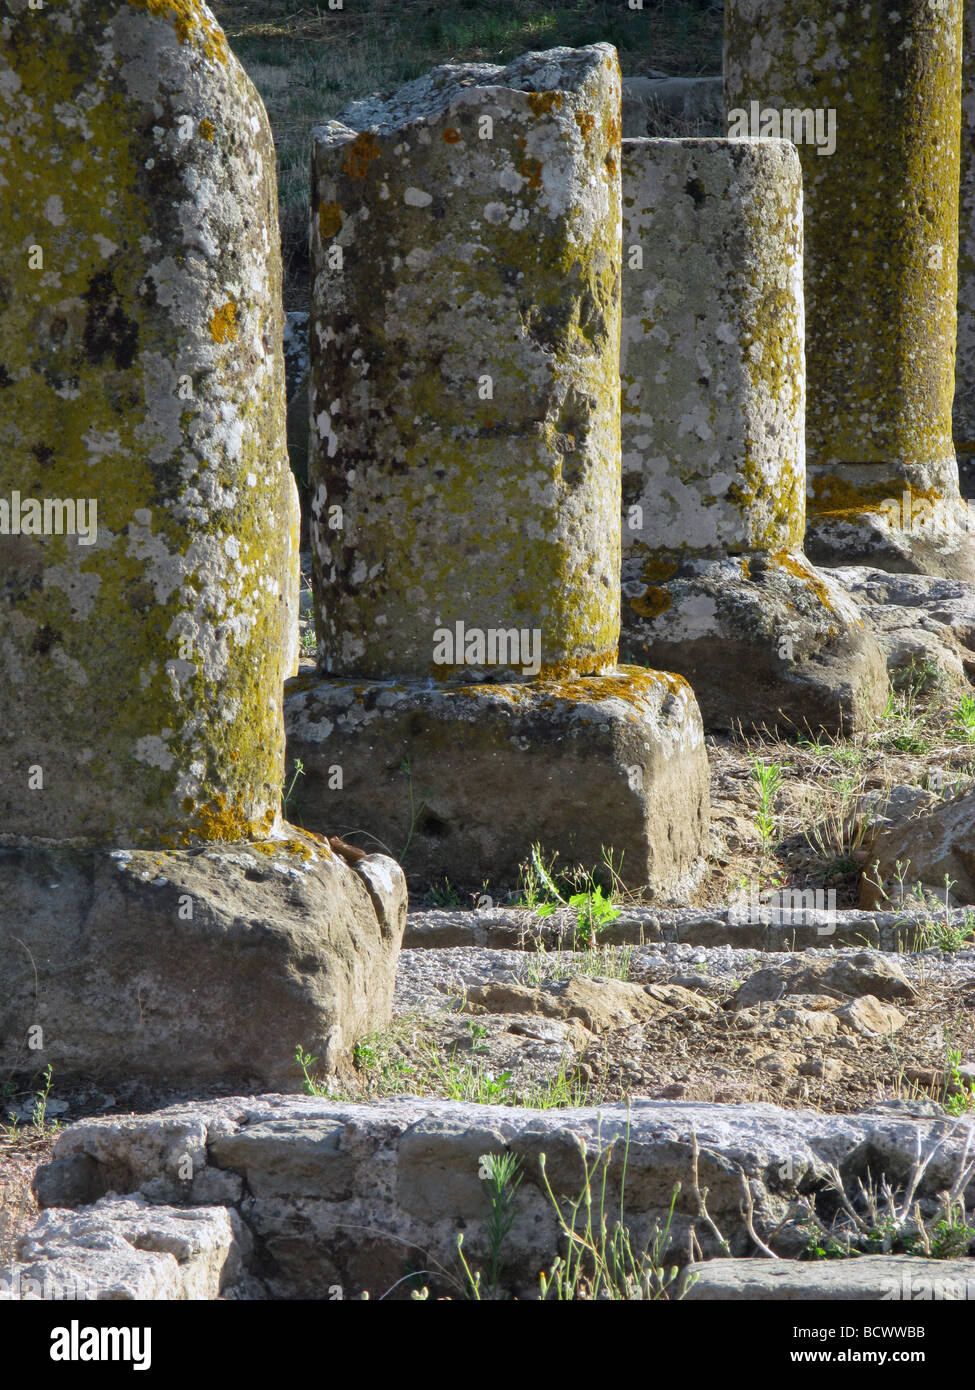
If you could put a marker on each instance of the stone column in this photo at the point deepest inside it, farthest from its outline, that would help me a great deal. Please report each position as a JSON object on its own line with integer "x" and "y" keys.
{"x": 149, "y": 561}
{"x": 464, "y": 463}
{"x": 964, "y": 405}
{"x": 464, "y": 417}
{"x": 870, "y": 95}
{"x": 148, "y": 517}
{"x": 715, "y": 584}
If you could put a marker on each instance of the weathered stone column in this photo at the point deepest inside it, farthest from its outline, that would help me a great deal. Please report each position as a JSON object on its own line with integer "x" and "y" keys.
{"x": 464, "y": 462}
{"x": 465, "y": 389}
{"x": 964, "y": 404}
{"x": 149, "y": 554}
{"x": 141, "y": 658}
{"x": 715, "y": 584}
{"x": 870, "y": 94}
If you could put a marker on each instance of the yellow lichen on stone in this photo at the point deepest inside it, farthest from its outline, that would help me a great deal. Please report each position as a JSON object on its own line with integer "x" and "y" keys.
{"x": 586, "y": 122}
{"x": 223, "y": 325}
{"x": 176, "y": 617}
{"x": 191, "y": 24}
{"x": 800, "y": 568}
{"x": 541, "y": 103}
{"x": 359, "y": 155}
{"x": 466, "y": 388}
{"x": 651, "y": 603}
{"x": 329, "y": 219}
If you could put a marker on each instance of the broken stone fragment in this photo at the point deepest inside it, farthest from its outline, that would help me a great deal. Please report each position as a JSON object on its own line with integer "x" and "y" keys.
{"x": 936, "y": 845}
{"x": 122, "y": 1248}
{"x": 600, "y": 1005}
{"x": 867, "y": 972}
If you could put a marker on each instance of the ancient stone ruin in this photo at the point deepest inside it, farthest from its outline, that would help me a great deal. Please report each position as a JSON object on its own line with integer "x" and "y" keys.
{"x": 571, "y": 397}
{"x": 465, "y": 478}
{"x": 145, "y": 643}
{"x": 872, "y": 99}
{"x": 715, "y": 584}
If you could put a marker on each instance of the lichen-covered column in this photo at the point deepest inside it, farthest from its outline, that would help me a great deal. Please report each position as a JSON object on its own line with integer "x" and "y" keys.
{"x": 465, "y": 478}
{"x": 715, "y": 584}
{"x": 148, "y": 579}
{"x": 465, "y": 385}
{"x": 964, "y": 405}
{"x": 870, "y": 93}
{"x": 148, "y": 517}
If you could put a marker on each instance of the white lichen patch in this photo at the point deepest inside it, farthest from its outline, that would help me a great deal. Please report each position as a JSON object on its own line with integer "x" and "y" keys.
{"x": 142, "y": 369}
{"x": 475, "y": 457}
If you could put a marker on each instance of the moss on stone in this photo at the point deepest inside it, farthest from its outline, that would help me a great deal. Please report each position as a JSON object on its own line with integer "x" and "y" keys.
{"x": 143, "y": 672}
{"x": 513, "y": 489}
{"x": 881, "y": 214}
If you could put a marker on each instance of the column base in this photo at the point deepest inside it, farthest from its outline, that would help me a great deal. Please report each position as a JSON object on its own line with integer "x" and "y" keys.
{"x": 765, "y": 641}
{"x": 460, "y": 782}
{"x": 193, "y": 966}
{"x": 916, "y": 524}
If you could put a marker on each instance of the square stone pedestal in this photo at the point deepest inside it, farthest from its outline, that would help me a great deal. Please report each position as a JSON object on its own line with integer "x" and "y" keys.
{"x": 460, "y": 782}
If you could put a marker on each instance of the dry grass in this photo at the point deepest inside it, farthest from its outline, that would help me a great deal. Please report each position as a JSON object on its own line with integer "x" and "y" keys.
{"x": 21, "y": 1153}
{"x": 831, "y": 788}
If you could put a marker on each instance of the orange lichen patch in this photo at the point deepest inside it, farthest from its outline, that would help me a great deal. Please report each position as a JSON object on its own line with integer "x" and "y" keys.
{"x": 586, "y": 122}
{"x": 801, "y": 569}
{"x": 613, "y": 131}
{"x": 359, "y": 154}
{"x": 651, "y": 603}
{"x": 329, "y": 219}
{"x": 595, "y": 663}
{"x": 218, "y": 820}
{"x": 833, "y": 496}
{"x": 541, "y": 103}
{"x": 452, "y": 137}
{"x": 321, "y": 841}
{"x": 223, "y": 325}
{"x": 191, "y": 24}
{"x": 592, "y": 663}
{"x": 657, "y": 571}
{"x": 531, "y": 171}
{"x": 275, "y": 847}
{"x": 611, "y": 165}
{"x": 207, "y": 129}
{"x": 629, "y": 683}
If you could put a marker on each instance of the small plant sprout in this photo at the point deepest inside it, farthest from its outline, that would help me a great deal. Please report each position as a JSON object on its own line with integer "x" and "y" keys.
{"x": 415, "y": 811}
{"x": 501, "y": 1178}
{"x": 963, "y": 720}
{"x": 767, "y": 779}
{"x": 298, "y": 769}
{"x": 592, "y": 907}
